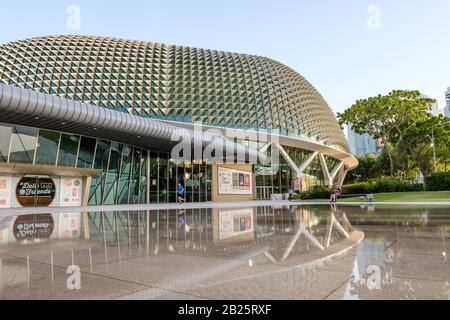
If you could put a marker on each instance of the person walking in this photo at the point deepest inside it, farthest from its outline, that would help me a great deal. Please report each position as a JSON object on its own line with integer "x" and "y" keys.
{"x": 180, "y": 193}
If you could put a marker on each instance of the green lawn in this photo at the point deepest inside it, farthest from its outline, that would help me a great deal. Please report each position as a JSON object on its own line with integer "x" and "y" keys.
{"x": 402, "y": 197}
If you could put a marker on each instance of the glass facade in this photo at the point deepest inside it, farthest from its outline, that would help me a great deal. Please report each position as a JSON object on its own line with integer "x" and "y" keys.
{"x": 124, "y": 170}
{"x": 271, "y": 181}
{"x": 132, "y": 175}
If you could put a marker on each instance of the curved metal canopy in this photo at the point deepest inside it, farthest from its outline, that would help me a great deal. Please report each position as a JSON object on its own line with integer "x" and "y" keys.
{"x": 30, "y": 108}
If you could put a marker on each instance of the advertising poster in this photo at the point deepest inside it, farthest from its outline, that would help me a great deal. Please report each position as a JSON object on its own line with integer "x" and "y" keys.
{"x": 5, "y": 191}
{"x": 70, "y": 192}
{"x": 234, "y": 181}
{"x": 233, "y": 223}
{"x": 34, "y": 191}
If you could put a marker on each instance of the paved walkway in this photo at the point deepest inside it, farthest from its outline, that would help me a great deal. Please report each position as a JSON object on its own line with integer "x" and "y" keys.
{"x": 200, "y": 205}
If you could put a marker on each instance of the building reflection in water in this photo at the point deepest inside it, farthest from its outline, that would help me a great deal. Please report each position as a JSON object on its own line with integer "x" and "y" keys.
{"x": 216, "y": 241}
{"x": 255, "y": 235}
{"x": 211, "y": 231}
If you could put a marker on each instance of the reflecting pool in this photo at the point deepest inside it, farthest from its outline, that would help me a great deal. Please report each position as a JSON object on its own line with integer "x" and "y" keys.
{"x": 303, "y": 252}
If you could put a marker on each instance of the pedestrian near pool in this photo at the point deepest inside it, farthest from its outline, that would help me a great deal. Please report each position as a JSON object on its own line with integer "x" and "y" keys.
{"x": 180, "y": 193}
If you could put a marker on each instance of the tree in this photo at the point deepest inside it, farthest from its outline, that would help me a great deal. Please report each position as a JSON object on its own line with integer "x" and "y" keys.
{"x": 389, "y": 117}
{"x": 368, "y": 168}
{"x": 427, "y": 142}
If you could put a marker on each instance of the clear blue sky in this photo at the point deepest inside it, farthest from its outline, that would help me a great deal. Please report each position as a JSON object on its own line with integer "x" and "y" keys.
{"x": 327, "y": 41}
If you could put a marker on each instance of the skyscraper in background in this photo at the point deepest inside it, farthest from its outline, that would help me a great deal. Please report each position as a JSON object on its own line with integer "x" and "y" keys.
{"x": 362, "y": 145}
{"x": 447, "y": 100}
{"x": 434, "y": 107}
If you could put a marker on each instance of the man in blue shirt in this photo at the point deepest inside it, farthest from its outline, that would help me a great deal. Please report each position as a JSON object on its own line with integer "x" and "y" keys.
{"x": 180, "y": 193}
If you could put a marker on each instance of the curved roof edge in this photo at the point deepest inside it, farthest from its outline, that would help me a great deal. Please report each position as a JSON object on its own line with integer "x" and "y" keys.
{"x": 30, "y": 108}
{"x": 349, "y": 160}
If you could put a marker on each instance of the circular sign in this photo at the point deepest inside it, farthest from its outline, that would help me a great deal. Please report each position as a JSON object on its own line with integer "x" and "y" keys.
{"x": 35, "y": 191}
{"x": 33, "y": 227}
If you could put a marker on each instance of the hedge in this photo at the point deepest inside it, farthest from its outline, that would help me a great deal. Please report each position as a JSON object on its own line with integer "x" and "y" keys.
{"x": 438, "y": 182}
{"x": 372, "y": 186}
{"x": 381, "y": 186}
{"x": 316, "y": 192}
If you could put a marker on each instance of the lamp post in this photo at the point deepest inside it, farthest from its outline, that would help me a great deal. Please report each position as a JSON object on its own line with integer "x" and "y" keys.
{"x": 433, "y": 144}
{"x": 433, "y": 141}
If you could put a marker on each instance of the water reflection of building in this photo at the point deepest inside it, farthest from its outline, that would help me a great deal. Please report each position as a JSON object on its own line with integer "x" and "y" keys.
{"x": 207, "y": 230}
{"x": 39, "y": 228}
{"x": 215, "y": 241}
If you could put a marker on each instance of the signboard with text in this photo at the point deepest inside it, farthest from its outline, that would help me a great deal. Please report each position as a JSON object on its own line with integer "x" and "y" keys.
{"x": 35, "y": 191}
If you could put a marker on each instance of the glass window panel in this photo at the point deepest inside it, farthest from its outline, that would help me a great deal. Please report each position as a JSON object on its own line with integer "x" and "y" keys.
{"x": 98, "y": 181}
{"x": 68, "y": 150}
{"x": 135, "y": 176}
{"x": 86, "y": 154}
{"x": 208, "y": 182}
{"x": 172, "y": 182}
{"x": 163, "y": 178}
{"x": 96, "y": 190}
{"x": 5, "y": 136}
{"x": 102, "y": 155}
{"x": 203, "y": 185}
{"x": 188, "y": 181}
{"x": 113, "y": 174}
{"x": 124, "y": 180}
{"x": 143, "y": 178}
{"x": 154, "y": 190}
{"x": 47, "y": 147}
{"x": 23, "y": 144}
{"x": 196, "y": 182}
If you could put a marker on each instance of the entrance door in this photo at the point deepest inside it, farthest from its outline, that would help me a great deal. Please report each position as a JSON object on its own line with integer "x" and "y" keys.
{"x": 264, "y": 193}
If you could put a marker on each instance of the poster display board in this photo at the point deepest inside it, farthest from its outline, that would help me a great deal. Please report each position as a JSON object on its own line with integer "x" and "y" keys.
{"x": 233, "y": 223}
{"x": 32, "y": 191}
{"x": 70, "y": 192}
{"x": 234, "y": 181}
{"x": 18, "y": 190}
{"x": 5, "y": 191}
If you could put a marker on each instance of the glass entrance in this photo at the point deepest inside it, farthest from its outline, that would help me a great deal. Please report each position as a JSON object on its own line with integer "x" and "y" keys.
{"x": 264, "y": 193}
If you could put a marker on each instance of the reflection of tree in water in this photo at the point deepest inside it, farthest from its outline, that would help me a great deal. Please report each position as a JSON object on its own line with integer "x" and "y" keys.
{"x": 378, "y": 252}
